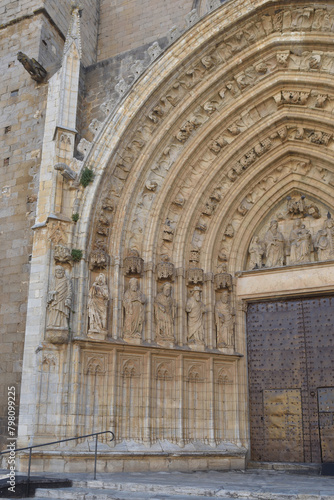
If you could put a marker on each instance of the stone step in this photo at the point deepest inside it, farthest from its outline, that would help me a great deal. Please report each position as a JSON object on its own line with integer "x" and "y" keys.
{"x": 108, "y": 494}
{"x": 103, "y": 490}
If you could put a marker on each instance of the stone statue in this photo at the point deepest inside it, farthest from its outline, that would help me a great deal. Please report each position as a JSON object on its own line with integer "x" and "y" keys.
{"x": 60, "y": 300}
{"x": 324, "y": 240}
{"x": 164, "y": 314}
{"x": 195, "y": 309}
{"x": 256, "y": 251}
{"x": 134, "y": 311}
{"x": 97, "y": 304}
{"x": 274, "y": 246}
{"x": 300, "y": 243}
{"x": 35, "y": 70}
{"x": 225, "y": 319}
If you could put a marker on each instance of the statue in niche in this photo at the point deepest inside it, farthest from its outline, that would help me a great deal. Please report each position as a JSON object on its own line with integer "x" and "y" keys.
{"x": 274, "y": 246}
{"x": 300, "y": 243}
{"x": 134, "y": 310}
{"x": 195, "y": 309}
{"x": 256, "y": 251}
{"x": 60, "y": 301}
{"x": 98, "y": 304}
{"x": 225, "y": 319}
{"x": 324, "y": 240}
{"x": 164, "y": 314}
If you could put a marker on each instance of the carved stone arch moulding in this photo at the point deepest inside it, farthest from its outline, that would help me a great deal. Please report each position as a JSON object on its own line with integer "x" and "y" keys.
{"x": 293, "y": 189}
{"x": 235, "y": 40}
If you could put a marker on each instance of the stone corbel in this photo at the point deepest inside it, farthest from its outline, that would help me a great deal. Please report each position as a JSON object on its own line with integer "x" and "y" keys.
{"x": 66, "y": 171}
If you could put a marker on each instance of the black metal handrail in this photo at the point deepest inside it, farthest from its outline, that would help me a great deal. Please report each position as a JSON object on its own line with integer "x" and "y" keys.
{"x": 57, "y": 442}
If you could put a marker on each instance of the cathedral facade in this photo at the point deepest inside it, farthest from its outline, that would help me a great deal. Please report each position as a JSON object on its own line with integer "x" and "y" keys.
{"x": 178, "y": 197}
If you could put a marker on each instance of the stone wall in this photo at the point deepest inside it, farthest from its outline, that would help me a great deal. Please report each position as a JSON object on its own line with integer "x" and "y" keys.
{"x": 59, "y": 14}
{"x": 22, "y": 107}
{"x": 127, "y": 25}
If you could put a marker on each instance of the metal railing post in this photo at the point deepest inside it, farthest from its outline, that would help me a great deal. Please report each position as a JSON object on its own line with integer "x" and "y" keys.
{"x": 95, "y": 457}
{"x": 28, "y": 477}
{"x": 96, "y": 434}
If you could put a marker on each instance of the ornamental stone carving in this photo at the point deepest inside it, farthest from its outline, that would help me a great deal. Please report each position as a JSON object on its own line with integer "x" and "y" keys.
{"x": 133, "y": 263}
{"x": 300, "y": 243}
{"x": 225, "y": 320}
{"x": 99, "y": 258}
{"x": 256, "y": 251}
{"x": 59, "y": 307}
{"x": 62, "y": 254}
{"x": 165, "y": 269}
{"x": 164, "y": 312}
{"x": 195, "y": 311}
{"x": 134, "y": 312}
{"x": 195, "y": 275}
{"x": 223, "y": 280}
{"x": 324, "y": 241}
{"x": 98, "y": 298}
{"x": 274, "y": 246}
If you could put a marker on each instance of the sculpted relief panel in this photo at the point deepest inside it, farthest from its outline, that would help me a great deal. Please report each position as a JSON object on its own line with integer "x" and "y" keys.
{"x": 300, "y": 231}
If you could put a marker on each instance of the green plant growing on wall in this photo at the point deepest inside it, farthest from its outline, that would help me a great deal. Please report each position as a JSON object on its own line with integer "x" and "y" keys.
{"x": 87, "y": 176}
{"x": 76, "y": 255}
{"x": 75, "y": 217}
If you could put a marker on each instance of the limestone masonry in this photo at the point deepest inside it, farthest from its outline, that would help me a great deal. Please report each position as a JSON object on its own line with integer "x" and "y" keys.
{"x": 167, "y": 231}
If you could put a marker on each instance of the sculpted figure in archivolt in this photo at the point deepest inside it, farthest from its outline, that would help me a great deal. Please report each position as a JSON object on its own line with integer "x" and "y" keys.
{"x": 97, "y": 304}
{"x": 60, "y": 300}
{"x": 195, "y": 309}
{"x": 134, "y": 310}
{"x": 274, "y": 244}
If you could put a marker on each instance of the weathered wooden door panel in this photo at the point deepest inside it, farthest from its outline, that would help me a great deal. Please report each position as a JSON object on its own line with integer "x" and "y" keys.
{"x": 290, "y": 355}
{"x": 326, "y": 423}
{"x": 283, "y": 426}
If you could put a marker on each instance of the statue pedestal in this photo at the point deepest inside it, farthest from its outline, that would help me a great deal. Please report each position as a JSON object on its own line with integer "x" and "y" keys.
{"x": 97, "y": 334}
{"x": 199, "y": 346}
{"x": 133, "y": 340}
{"x": 57, "y": 335}
{"x": 227, "y": 349}
{"x": 165, "y": 342}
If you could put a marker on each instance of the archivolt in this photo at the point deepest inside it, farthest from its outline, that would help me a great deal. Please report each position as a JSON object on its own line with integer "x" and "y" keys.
{"x": 215, "y": 98}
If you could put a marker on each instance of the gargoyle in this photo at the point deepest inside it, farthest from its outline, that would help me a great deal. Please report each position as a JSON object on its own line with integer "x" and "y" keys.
{"x": 35, "y": 70}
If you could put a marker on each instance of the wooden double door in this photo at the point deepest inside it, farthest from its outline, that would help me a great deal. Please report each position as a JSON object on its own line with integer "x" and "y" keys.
{"x": 291, "y": 379}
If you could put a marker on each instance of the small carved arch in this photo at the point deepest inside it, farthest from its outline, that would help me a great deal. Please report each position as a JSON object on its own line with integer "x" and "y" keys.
{"x": 223, "y": 377}
{"x": 130, "y": 369}
{"x": 48, "y": 363}
{"x": 163, "y": 372}
{"x": 95, "y": 365}
{"x": 195, "y": 374}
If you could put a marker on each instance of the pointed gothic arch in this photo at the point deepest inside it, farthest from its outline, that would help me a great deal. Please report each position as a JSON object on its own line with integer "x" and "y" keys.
{"x": 232, "y": 118}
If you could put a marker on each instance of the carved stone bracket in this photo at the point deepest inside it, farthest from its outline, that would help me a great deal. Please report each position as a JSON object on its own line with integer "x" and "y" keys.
{"x": 133, "y": 264}
{"x": 195, "y": 275}
{"x": 165, "y": 270}
{"x": 223, "y": 280}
